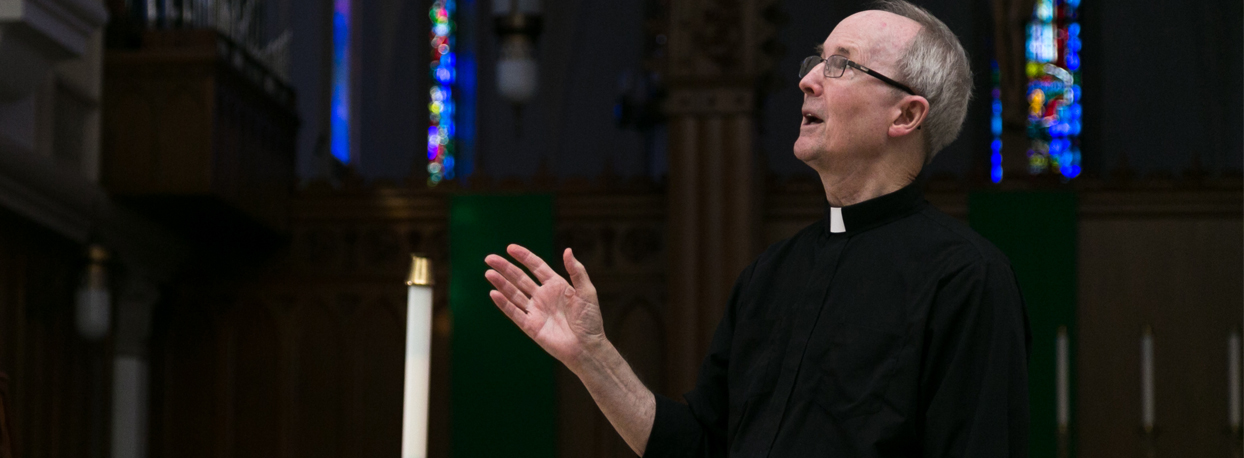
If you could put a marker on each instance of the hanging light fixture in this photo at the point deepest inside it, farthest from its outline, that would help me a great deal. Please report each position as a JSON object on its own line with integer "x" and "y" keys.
{"x": 94, "y": 301}
{"x": 518, "y": 25}
{"x": 418, "y": 358}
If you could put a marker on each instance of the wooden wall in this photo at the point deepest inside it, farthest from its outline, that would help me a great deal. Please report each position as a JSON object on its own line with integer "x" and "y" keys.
{"x": 57, "y": 384}
{"x": 1171, "y": 259}
{"x": 302, "y": 356}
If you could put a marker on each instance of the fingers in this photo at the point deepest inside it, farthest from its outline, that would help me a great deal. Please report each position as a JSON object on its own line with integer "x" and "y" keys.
{"x": 578, "y": 274}
{"x": 516, "y": 314}
{"x": 536, "y": 265}
{"x": 507, "y": 289}
{"x": 511, "y": 272}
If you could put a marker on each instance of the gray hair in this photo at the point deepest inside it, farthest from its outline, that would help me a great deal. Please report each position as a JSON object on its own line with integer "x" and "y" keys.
{"x": 936, "y": 67}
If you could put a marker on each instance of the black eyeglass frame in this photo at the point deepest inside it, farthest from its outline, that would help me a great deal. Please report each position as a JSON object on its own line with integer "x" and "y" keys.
{"x": 805, "y": 68}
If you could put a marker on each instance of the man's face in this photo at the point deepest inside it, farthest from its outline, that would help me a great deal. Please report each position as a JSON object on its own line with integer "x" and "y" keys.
{"x": 848, "y": 118}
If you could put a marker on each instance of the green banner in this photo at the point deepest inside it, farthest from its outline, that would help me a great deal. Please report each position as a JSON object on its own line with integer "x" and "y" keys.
{"x": 1037, "y": 231}
{"x": 503, "y": 400}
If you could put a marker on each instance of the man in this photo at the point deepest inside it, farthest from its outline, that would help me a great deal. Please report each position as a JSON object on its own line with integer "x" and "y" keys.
{"x": 888, "y": 329}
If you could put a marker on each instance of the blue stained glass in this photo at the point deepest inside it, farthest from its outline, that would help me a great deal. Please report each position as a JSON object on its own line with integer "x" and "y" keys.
{"x": 1055, "y": 114}
{"x": 995, "y": 171}
{"x": 1071, "y": 171}
{"x": 339, "y": 112}
{"x": 441, "y": 110}
{"x": 995, "y": 125}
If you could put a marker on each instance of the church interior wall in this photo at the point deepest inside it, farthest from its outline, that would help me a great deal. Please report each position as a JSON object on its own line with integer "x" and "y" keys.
{"x": 295, "y": 350}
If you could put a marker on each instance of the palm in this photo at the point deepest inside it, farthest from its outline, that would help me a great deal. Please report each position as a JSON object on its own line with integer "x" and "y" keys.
{"x": 561, "y": 318}
{"x": 560, "y": 324}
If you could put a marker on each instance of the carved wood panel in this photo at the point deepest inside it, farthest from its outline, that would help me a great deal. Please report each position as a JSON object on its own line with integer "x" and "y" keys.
{"x": 306, "y": 360}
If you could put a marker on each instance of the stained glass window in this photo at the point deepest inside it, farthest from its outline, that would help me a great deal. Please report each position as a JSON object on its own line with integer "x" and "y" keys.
{"x": 441, "y": 102}
{"x": 995, "y": 126}
{"x": 339, "y": 117}
{"x": 1054, "y": 110}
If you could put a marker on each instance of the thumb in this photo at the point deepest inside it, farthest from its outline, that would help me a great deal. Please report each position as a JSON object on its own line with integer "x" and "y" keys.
{"x": 578, "y": 274}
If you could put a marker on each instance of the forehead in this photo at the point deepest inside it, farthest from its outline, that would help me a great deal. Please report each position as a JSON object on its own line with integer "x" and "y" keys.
{"x": 872, "y": 35}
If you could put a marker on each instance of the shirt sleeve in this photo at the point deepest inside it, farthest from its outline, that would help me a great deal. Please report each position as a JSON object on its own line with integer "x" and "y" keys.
{"x": 698, "y": 428}
{"x": 976, "y": 372}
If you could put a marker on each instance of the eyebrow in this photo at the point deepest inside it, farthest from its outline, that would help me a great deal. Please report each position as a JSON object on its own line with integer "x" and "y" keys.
{"x": 820, "y": 51}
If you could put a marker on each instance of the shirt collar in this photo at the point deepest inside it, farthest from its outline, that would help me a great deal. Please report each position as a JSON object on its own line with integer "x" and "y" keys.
{"x": 874, "y": 212}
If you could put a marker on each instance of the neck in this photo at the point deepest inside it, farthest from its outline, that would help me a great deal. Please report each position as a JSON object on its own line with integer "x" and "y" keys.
{"x": 857, "y": 183}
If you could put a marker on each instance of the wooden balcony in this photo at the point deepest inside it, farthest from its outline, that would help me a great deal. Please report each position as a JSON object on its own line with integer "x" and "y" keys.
{"x": 199, "y": 135}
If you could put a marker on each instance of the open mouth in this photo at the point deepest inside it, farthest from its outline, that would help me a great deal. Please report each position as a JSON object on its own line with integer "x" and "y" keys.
{"x": 810, "y": 119}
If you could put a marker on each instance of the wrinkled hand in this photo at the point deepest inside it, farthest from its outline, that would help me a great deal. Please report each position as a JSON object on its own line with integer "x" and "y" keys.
{"x": 563, "y": 319}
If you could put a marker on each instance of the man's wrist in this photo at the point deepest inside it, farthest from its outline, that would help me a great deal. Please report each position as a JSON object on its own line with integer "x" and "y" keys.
{"x": 596, "y": 355}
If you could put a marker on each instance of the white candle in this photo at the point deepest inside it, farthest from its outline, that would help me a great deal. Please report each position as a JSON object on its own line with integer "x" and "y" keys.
{"x": 1146, "y": 379}
{"x": 1233, "y": 378}
{"x": 418, "y": 349}
{"x": 1063, "y": 379}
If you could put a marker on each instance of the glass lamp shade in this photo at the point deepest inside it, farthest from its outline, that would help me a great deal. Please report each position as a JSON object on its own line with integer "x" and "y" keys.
{"x": 518, "y": 24}
{"x": 516, "y": 79}
{"x": 94, "y": 313}
{"x": 504, "y": 7}
{"x": 93, "y": 308}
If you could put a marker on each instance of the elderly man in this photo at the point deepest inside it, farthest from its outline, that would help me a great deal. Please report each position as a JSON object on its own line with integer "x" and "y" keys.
{"x": 886, "y": 329}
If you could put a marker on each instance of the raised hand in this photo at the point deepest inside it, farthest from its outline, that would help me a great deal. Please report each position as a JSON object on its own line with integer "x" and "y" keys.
{"x": 564, "y": 319}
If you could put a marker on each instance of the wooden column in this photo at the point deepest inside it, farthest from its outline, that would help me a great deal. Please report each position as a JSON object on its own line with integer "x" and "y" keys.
{"x": 714, "y": 63}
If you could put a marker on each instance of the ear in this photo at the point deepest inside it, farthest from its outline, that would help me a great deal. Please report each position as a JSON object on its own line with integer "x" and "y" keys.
{"x": 909, "y": 114}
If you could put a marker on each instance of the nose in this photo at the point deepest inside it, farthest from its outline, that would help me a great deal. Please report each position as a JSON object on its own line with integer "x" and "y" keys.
{"x": 810, "y": 84}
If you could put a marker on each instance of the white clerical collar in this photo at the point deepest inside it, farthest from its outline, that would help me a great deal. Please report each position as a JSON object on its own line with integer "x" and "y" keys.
{"x": 835, "y": 221}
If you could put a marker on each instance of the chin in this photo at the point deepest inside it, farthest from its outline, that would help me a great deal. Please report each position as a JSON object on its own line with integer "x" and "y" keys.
{"x": 806, "y": 150}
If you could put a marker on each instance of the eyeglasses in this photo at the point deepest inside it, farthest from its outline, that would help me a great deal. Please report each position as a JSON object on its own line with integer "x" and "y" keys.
{"x": 836, "y": 65}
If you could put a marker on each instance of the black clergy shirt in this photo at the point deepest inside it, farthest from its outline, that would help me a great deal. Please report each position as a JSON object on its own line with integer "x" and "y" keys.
{"x": 905, "y": 336}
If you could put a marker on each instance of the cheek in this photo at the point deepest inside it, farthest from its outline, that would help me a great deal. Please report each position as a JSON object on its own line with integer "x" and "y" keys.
{"x": 855, "y": 121}
{"x": 845, "y": 107}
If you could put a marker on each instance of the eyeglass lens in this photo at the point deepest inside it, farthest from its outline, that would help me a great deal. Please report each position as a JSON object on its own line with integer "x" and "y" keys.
{"x": 834, "y": 66}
